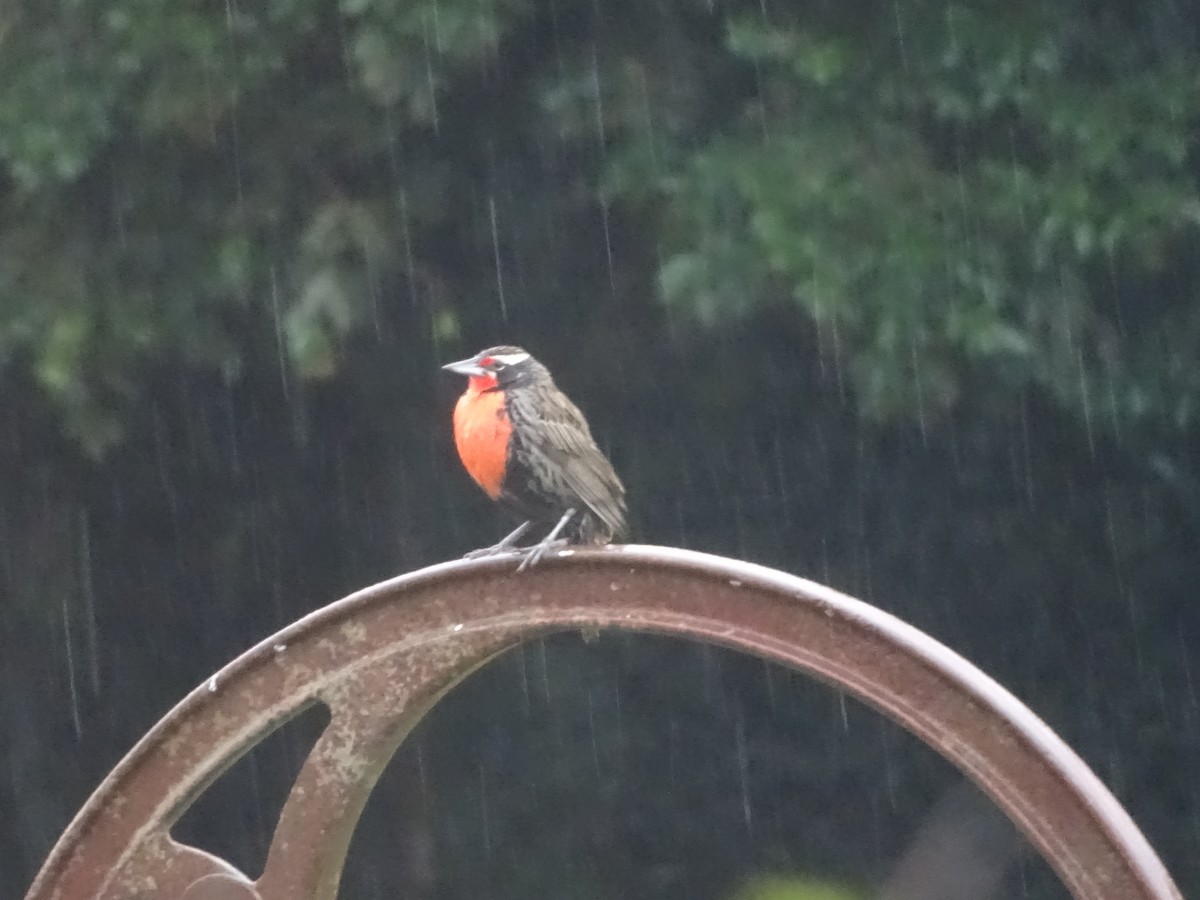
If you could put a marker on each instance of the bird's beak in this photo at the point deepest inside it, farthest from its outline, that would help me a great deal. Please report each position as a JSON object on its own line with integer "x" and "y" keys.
{"x": 466, "y": 367}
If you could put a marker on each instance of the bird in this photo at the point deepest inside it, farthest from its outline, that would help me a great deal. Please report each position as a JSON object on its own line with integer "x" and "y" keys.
{"x": 530, "y": 449}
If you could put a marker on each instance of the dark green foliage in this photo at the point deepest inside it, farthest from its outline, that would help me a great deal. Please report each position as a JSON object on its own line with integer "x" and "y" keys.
{"x": 898, "y": 296}
{"x": 940, "y": 188}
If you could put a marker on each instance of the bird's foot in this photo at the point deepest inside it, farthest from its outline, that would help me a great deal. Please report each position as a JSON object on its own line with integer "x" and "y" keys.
{"x": 494, "y": 550}
{"x": 509, "y": 543}
{"x": 552, "y": 541}
{"x": 534, "y": 554}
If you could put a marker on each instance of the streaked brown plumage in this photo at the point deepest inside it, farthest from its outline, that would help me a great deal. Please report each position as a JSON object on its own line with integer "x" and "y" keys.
{"x": 530, "y": 449}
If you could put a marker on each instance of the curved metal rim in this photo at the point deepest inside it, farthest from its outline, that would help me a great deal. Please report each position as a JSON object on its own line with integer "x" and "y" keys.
{"x": 717, "y": 600}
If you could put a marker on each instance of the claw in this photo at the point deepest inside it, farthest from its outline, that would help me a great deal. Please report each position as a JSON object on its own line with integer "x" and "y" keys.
{"x": 552, "y": 541}
{"x": 534, "y": 554}
{"x": 503, "y": 547}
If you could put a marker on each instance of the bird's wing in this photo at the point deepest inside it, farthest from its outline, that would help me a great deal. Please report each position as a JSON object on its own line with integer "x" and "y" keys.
{"x": 563, "y": 437}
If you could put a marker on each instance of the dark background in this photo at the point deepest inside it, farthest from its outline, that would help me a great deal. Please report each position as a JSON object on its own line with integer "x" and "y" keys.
{"x": 901, "y": 298}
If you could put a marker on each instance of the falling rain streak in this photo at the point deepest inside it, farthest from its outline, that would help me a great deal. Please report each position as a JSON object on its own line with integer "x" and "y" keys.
{"x": 496, "y": 257}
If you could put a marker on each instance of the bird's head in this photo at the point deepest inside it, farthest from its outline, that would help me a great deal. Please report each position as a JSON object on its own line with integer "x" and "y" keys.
{"x": 496, "y": 367}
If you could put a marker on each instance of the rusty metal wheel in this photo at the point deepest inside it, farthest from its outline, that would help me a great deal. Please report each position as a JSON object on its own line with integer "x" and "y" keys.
{"x": 381, "y": 658}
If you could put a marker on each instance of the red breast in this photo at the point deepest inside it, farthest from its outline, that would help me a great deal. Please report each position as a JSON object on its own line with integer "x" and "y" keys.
{"x": 481, "y": 433}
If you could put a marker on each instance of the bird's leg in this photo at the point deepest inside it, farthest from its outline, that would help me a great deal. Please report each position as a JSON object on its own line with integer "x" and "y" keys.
{"x": 552, "y": 541}
{"x": 502, "y": 547}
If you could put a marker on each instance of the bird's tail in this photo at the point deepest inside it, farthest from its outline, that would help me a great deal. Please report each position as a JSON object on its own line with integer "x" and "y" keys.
{"x": 597, "y": 532}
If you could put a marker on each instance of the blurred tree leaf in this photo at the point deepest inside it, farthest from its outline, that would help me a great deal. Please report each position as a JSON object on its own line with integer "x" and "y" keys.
{"x": 781, "y": 888}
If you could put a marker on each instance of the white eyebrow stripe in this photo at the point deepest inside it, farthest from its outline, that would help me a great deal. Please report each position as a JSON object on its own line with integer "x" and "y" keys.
{"x": 512, "y": 359}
